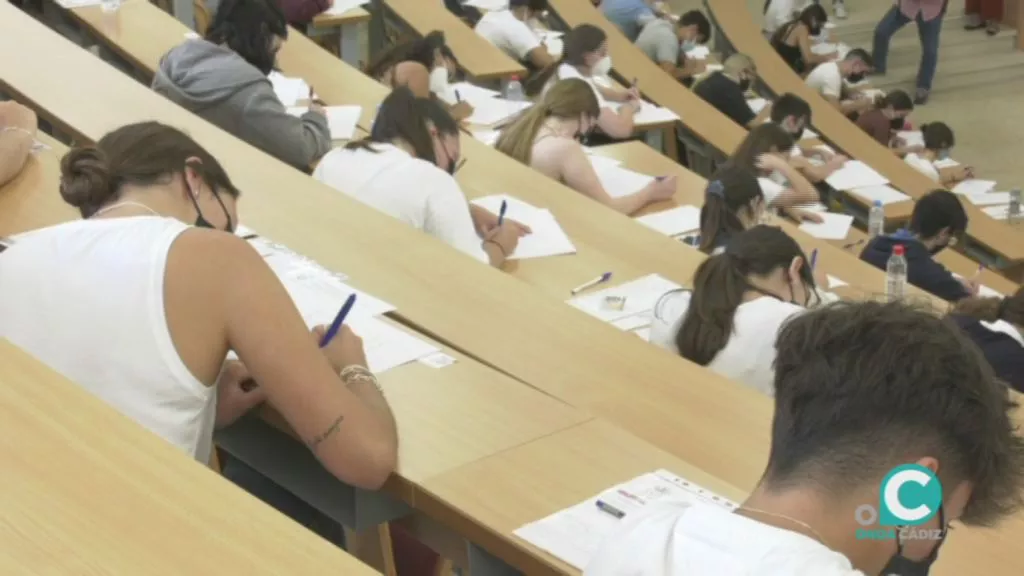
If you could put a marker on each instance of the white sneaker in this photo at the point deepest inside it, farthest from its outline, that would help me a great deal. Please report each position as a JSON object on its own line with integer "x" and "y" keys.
{"x": 839, "y": 8}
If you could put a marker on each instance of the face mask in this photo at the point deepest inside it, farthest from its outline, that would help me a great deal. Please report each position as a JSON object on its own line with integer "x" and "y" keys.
{"x": 814, "y": 29}
{"x": 202, "y": 222}
{"x": 900, "y": 565}
{"x": 439, "y": 80}
{"x": 943, "y": 155}
{"x": 687, "y": 45}
{"x": 603, "y": 66}
{"x": 896, "y": 124}
{"x": 745, "y": 84}
{"x": 854, "y": 78}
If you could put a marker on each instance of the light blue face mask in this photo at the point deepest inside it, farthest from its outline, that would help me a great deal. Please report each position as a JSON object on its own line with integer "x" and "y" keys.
{"x": 943, "y": 155}
{"x": 688, "y": 45}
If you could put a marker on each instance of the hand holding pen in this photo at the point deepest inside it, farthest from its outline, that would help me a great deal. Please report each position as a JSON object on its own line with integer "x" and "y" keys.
{"x": 341, "y": 346}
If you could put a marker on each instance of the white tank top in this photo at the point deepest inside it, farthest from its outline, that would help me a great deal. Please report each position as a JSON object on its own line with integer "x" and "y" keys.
{"x": 87, "y": 299}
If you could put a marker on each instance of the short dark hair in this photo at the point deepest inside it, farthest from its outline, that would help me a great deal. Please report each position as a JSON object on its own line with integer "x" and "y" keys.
{"x": 790, "y": 105}
{"x": 698, "y": 19}
{"x": 862, "y": 55}
{"x": 247, "y": 27}
{"x": 403, "y": 116}
{"x": 898, "y": 100}
{"x": 937, "y": 136}
{"x": 581, "y": 40}
{"x": 142, "y": 154}
{"x": 935, "y": 211}
{"x": 863, "y": 387}
{"x": 760, "y": 141}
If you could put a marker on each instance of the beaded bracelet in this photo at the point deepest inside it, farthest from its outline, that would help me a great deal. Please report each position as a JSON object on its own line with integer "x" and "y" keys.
{"x": 355, "y": 373}
{"x": 6, "y": 129}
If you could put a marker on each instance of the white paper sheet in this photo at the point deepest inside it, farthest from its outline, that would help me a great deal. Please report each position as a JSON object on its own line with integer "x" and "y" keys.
{"x": 641, "y": 295}
{"x": 546, "y": 238}
{"x": 489, "y": 137}
{"x": 342, "y": 6}
{"x": 598, "y": 160}
{"x": 834, "y": 282}
{"x": 884, "y": 193}
{"x": 699, "y": 52}
{"x": 770, "y": 188}
{"x": 808, "y": 134}
{"x": 490, "y": 111}
{"x": 555, "y": 46}
{"x": 619, "y": 182}
{"x": 757, "y": 104}
{"x": 630, "y": 323}
{"x": 997, "y": 212}
{"x": 710, "y": 68}
{"x": 947, "y": 163}
{"x": 469, "y": 92}
{"x": 574, "y": 534}
{"x": 855, "y": 174}
{"x": 388, "y": 346}
{"x": 69, "y": 4}
{"x": 974, "y": 186}
{"x": 644, "y": 334}
{"x": 989, "y": 199}
{"x": 911, "y": 137}
{"x": 487, "y": 5}
{"x": 983, "y": 290}
{"x": 649, "y": 114}
{"x": 289, "y": 90}
{"x": 829, "y": 47}
{"x": 342, "y": 120}
{"x": 678, "y": 220}
{"x": 834, "y": 227}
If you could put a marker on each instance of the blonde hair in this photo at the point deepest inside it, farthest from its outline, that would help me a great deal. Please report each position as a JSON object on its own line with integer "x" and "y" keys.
{"x": 566, "y": 99}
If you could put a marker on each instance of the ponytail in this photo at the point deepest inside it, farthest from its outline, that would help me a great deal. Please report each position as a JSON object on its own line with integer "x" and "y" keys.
{"x": 568, "y": 99}
{"x": 404, "y": 117}
{"x": 516, "y": 140}
{"x": 730, "y": 190}
{"x": 718, "y": 290}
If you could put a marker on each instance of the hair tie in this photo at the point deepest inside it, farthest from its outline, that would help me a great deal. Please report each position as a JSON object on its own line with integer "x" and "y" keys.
{"x": 1001, "y": 310}
{"x": 716, "y": 188}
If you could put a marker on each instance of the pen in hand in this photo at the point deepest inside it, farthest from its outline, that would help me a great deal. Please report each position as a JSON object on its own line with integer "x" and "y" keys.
{"x": 332, "y": 331}
{"x": 501, "y": 211}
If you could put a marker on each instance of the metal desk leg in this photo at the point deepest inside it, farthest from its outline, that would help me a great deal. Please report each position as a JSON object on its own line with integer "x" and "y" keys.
{"x": 351, "y": 49}
{"x": 185, "y": 11}
{"x": 482, "y": 563}
{"x": 289, "y": 464}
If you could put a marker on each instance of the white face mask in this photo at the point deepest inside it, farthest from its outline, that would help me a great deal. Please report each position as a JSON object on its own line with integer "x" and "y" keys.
{"x": 439, "y": 80}
{"x": 603, "y": 66}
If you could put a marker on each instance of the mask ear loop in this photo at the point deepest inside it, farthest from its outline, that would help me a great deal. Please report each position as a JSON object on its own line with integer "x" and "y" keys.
{"x": 201, "y": 220}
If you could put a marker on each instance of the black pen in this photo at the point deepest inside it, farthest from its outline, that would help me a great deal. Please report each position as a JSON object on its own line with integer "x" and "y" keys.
{"x": 609, "y": 509}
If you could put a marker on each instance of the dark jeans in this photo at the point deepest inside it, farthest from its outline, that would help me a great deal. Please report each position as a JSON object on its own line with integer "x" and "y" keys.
{"x": 927, "y": 31}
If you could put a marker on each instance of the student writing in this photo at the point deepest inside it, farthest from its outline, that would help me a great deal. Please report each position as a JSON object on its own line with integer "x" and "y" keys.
{"x": 888, "y": 117}
{"x": 733, "y": 202}
{"x": 793, "y": 40}
{"x": 860, "y": 389}
{"x": 938, "y": 141}
{"x": 827, "y": 79}
{"x": 666, "y": 43}
{"x": 405, "y": 169}
{"x": 766, "y": 150}
{"x": 509, "y": 30}
{"x": 739, "y": 301}
{"x": 223, "y": 79}
{"x": 141, "y": 301}
{"x": 546, "y": 137}
{"x": 726, "y": 90}
{"x": 793, "y": 114}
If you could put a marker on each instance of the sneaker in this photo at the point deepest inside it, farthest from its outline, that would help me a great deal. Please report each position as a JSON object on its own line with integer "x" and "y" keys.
{"x": 921, "y": 96}
{"x": 973, "y": 22}
{"x": 992, "y": 27}
{"x": 839, "y": 8}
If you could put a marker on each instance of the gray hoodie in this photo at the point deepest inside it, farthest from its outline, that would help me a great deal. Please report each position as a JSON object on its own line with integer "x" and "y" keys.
{"x": 218, "y": 85}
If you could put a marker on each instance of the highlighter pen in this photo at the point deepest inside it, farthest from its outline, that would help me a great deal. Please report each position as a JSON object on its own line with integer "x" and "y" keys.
{"x": 814, "y": 259}
{"x": 338, "y": 320}
{"x": 609, "y": 509}
{"x": 599, "y": 280}
{"x": 501, "y": 211}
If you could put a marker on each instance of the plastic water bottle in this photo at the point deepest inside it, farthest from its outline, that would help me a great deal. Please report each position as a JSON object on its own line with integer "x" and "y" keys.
{"x": 876, "y": 220}
{"x": 514, "y": 90}
{"x": 1013, "y": 216}
{"x": 110, "y": 6}
{"x": 896, "y": 275}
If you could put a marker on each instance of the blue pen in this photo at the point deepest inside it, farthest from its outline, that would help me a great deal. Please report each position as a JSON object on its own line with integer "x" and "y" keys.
{"x": 814, "y": 259}
{"x": 338, "y": 321}
{"x": 501, "y": 211}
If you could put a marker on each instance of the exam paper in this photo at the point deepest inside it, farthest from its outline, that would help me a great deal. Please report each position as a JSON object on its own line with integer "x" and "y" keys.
{"x": 555, "y": 46}
{"x": 644, "y": 334}
{"x": 678, "y": 220}
{"x": 490, "y": 111}
{"x": 855, "y": 174}
{"x": 974, "y": 186}
{"x": 342, "y": 120}
{"x": 641, "y": 295}
{"x": 69, "y": 4}
{"x": 469, "y": 92}
{"x": 947, "y": 163}
{"x": 808, "y": 134}
{"x": 983, "y": 290}
{"x": 341, "y": 6}
{"x": 575, "y": 534}
{"x": 883, "y": 193}
{"x": 757, "y": 104}
{"x": 700, "y": 52}
{"x": 488, "y": 5}
{"x": 834, "y": 282}
{"x": 649, "y": 113}
{"x": 546, "y": 238}
{"x": 288, "y": 90}
{"x": 635, "y": 322}
{"x": 619, "y": 182}
{"x": 834, "y": 227}
{"x": 998, "y": 212}
{"x": 598, "y": 160}
{"x": 911, "y": 137}
{"x": 387, "y": 346}
{"x": 989, "y": 199}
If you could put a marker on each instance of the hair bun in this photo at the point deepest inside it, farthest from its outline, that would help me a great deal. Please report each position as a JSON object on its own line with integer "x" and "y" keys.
{"x": 85, "y": 180}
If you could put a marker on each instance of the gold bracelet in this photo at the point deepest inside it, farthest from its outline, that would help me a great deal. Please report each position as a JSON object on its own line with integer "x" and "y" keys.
{"x": 356, "y": 373}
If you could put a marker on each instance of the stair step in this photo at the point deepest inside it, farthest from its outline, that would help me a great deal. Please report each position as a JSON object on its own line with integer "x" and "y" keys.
{"x": 962, "y": 45}
{"x": 958, "y": 73}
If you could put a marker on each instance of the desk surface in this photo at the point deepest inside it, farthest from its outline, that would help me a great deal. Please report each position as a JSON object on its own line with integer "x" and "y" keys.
{"x": 86, "y": 490}
{"x": 479, "y": 58}
{"x": 353, "y": 16}
{"x": 736, "y": 22}
{"x": 32, "y": 200}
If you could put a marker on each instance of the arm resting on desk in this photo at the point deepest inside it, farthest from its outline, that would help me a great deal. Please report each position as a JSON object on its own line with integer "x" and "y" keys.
{"x": 296, "y": 141}
{"x": 617, "y": 124}
{"x": 17, "y": 132}
{"x": 578, "y": 173}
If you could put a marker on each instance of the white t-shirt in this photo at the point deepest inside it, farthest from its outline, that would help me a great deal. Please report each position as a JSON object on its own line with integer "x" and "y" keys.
{"x": 569, "y": 71}
{"x": 826, "y": 79}
{"x": 407, "y": 188}
{"x": 779, "y": 13}
{"x": 679, "y": 539}
{"x": 923, "y": 165}
{"x": 87, "y": 299}
{"x": 750, "y": 352}
{"x": 507, "y": 32}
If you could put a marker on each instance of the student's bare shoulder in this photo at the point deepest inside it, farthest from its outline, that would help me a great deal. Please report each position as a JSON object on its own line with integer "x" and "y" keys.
{"x": 213, "y": 251}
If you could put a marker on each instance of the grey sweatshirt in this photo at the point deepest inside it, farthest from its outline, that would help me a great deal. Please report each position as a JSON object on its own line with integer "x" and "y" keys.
{"x": 218, "y": 85}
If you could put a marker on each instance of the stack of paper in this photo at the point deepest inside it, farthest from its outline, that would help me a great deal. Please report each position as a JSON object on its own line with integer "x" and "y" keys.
{"x": 619, "y": 182}
{"x": 989, "y": 199}
{"x": 974, "y": 186}
{"x": 546, "y": 237}
{"x": 342, "y": 6}
{"x": 883, "y": 193}
{"x": 575, "y": 534}
{"x": 855, "y": 174}
{"x": 341, "y": 119}
{"x": 289, "y": 90}
{"x": 490, "y": 111}
{"x": 630, "y": 299}
{"x": 674, "y": 222}
{"x": 834, "y": 227}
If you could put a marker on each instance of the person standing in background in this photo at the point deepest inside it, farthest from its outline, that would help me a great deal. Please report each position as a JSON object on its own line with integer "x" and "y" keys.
{"x": 928, "y": 14}
{"x": 985, "y": 14}
{"x": 630, "y": 16}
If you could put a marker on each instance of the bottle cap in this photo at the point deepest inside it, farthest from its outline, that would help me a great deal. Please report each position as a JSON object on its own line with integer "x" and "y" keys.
{"x": 877, "y": 203}
{"x": 897, "y": 250}
{"x": 515, "y": 78}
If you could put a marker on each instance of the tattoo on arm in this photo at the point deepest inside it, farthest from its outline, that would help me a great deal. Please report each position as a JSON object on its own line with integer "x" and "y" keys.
{"x": 319, "y": 438}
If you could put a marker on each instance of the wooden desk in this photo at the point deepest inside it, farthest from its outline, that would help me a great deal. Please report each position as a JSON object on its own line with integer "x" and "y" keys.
{"x": 32, "y": 200}
{"x": 481, "y": 60}
{"x": 348, "y": 24}
{"x": 87, "y": 490}
{"x": 1004, "y": 243}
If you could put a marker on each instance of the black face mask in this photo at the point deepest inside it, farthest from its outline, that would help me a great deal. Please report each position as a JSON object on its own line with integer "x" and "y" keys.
{"x": 900, "y": 565}
{"x": 854, "y": 78}
{"x": 896, "y": 124}
{"x": 202, "y": 222}
{"x": 814, "y": 29}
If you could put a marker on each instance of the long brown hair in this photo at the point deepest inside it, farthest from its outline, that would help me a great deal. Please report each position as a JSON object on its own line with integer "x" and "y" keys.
{"x": 576, "y": 44}
{"x": 720, "y": 284}
{"x": 762, "y": 140}
{"x": 569, "y": 99}
{"x": 403, "y": 116}
{"x": 991, "y": 309}
{"x": 731, "y": 189}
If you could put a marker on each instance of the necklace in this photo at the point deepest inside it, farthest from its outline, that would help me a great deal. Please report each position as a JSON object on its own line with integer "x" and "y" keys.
{"x": 803, "y": 525}
{"x": 123, "y": 204}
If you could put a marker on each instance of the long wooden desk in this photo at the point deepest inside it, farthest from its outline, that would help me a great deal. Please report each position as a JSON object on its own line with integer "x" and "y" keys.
{"x": 479, "y": 58}
{"x": 87, "y": 490}
{"x": 994, "y": 238}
